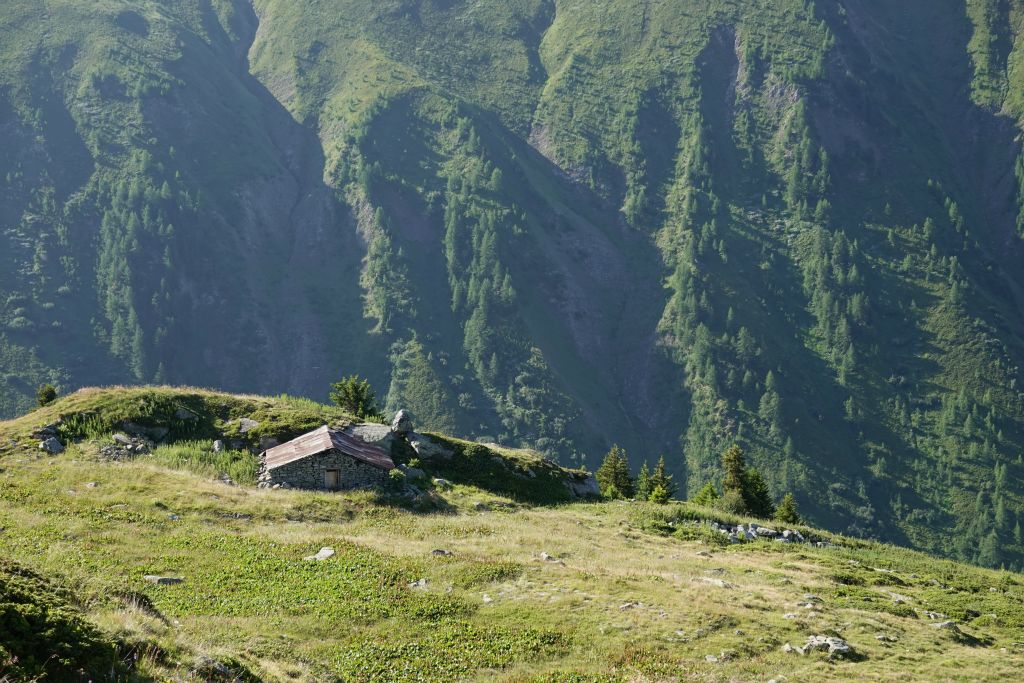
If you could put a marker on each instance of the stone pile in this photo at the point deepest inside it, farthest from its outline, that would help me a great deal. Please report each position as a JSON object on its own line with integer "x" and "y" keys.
{"x": 753, "y": 532}
{"x": 833, "y": 646}
{"x": 49, "y": 441}
{"x": 125, "y": 447}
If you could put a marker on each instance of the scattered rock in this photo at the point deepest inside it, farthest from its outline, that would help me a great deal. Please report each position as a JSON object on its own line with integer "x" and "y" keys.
{"x": 91, "y": 484}
{"x": 481, "y": 507}
{"x": 246, "y": 425}
{"x": 947, "y": 626}
{"x": 45, "y": 432}
{"x": 173, "y": 517}
{"x": 935, "y": 616}
{"x": 548, "y": 558}
{"x": 703, "y": 553}
{"x": 125, "y": 447}
{"x": 413, "y": 472}
{"x": 321, "y": 555}
{"x": 835, "y": 647}
{"x": 442, "y": 483}
{"x": 402, "y": 424}
{"x": 268, "y": 442}
{"x": 883, "y": 638}
{"x": 790, "y": 615}
{"x": 442, "y": 553}
{"x": 630, "y": 605}
{"x": 51, "y": 445}
{"x": 710, "y": 658}
{"x": 225, "y": 479}
{"x": 162, "y": 580}
{"x": 487, "y": 599}
{"x": 717, "y": 583}
{"x": 218, "y": 446}
{"x": 418, "y": 584}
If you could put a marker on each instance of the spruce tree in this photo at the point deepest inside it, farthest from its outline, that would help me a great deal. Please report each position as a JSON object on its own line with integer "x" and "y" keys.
{"x": 643, "y": 483}
{"x": 706, "y": 496}
{"x": 613, "y": 475}
{"x": 734, "y": 465}
{"x": 660, "y": 495}
{"x": 661, "y": 479}
{"x": 757, "y": 496}
{"x": 787, "y": 512}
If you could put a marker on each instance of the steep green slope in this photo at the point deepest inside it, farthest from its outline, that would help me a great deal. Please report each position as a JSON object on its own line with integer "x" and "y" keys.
{"x": 480, "y": 586}
{"x": 553, "y": 223}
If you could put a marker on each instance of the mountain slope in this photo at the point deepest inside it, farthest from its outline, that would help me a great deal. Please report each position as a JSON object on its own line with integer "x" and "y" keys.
{"x": 558, "y": 224}
{"x": 521, "y": 592}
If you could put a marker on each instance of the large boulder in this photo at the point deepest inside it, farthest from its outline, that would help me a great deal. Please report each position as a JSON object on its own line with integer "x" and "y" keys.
{"x": 402, "y": 424}
{"x": 429, "y": 449}
{"x": 583, "y": 485}
{"x": 51, "y": 445}
{"x": 371, "y": 432}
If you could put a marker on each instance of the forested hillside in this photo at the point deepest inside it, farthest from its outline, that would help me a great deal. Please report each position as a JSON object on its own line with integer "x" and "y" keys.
{"x": 671, "y": 225}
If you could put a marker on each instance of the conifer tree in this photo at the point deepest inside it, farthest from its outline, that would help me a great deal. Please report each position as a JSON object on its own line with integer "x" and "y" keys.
{"x": 660, "y": 495}
{"x": 734, "y": 465}
{"x": 613, "y": 475}
{"x": 787, "y": 512}
{"x": 661, "y": 479}
{"x": 757, "y": 496}
{"x": 706, "y": 496}
{"x": 643, "y": 483}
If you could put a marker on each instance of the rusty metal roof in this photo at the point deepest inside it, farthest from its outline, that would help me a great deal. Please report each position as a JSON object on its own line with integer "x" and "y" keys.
{"x": 325, "y": 439}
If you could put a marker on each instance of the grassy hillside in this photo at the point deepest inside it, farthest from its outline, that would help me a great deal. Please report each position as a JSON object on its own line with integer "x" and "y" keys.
{"x": 555, "y": 224}
{"x": 528, "y": 592}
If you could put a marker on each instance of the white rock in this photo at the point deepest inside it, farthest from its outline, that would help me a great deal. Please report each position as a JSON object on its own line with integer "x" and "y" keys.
{"x": 321, "y": 555}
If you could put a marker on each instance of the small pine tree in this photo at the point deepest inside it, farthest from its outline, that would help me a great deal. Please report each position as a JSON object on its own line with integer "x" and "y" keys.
{"x": 734, "y": 465}
{"x": 659, "y": 494}
{"x": 662, "y": 479}
{"x": 787, "y": 512}
{"x": 46, "y": 394}
{"x": 613, "y": 475}
{"x": 706, "y": 496}
{"x": 643, "y": 483}
{"x": 356, "y": 397}
{"x": 757, "y": 496}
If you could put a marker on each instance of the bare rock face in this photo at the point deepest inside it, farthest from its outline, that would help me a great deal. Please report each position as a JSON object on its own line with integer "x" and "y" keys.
{"x": 402, "y": 424}
{"x": 583, "y": 486}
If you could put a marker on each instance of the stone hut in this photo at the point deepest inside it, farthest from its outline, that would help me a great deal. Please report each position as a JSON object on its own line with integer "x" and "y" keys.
{"x": 325, "y": 459}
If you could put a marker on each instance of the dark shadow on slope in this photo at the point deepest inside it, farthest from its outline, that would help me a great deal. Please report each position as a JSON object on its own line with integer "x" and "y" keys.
{"x": 289, "y": 317}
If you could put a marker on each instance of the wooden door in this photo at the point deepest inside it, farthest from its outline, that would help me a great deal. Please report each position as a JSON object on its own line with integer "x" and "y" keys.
{"x": 332, "y": 480}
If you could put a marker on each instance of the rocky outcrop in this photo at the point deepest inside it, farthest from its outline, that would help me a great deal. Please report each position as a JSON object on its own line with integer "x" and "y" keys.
{"x": 583, "y": 485}
{"x": 402, "y": 424}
